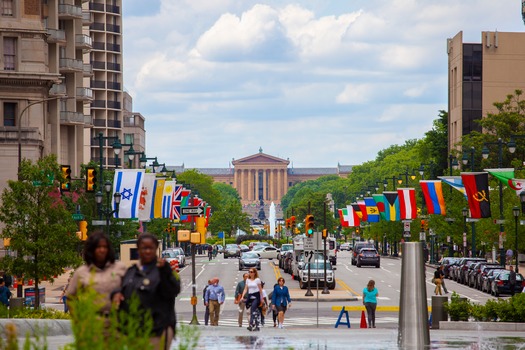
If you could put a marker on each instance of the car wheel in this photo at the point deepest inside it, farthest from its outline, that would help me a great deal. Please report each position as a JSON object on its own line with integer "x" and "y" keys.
{"x": 378, "y": 266}
{"x": 302, "y": 285}
{"x": 358, "y": 264}
{"x": 331, "y": 286}
{"x": 496, "y": 292}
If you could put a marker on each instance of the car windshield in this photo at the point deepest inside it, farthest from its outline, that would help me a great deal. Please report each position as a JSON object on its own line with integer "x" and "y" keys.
{"x": 259, "y": 247}
{"x": 231, "y": 246}
{"x": 168, "y": 255}
{"x": 286, "y": 247}
{"x": 249, "y": 256}
{"x": 318, "y": 265}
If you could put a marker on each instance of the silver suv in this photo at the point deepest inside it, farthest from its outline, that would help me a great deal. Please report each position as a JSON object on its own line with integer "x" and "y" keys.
{"x": 317, "y": 275}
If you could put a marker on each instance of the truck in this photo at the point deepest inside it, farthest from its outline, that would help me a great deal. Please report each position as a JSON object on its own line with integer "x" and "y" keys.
{"x": 298, "y": 251}
{"x": 317, "y": 278}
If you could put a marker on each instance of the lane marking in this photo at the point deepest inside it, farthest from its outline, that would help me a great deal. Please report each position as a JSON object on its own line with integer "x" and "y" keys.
{"x": 346, "y": 286}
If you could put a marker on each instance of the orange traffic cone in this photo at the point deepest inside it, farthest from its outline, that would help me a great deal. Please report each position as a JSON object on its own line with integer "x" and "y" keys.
{"x": 363, "y": 320}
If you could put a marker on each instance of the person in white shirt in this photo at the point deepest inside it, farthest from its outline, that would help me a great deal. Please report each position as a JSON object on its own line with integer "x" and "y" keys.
{"x": 253, "y": 295}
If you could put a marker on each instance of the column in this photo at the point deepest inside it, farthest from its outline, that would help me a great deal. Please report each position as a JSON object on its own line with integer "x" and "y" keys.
{"x": 250, "y": 184}
{"x": 279, "y": 184}
{"x": 265, "y": 185}
{"x": 257, "y": 185}
{"x": 272, "y": 185}
{"x": 241, "y": 184}
{"x": 235, "y": 179}
{"x": 285, "y": 182}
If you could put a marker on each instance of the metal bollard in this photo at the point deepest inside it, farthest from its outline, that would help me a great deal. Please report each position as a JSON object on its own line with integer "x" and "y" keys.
{"x": 438, "y": 310}
{"x": 413, "y": 330}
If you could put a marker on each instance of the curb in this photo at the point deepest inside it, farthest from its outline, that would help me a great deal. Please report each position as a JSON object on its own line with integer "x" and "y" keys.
{"x": 482, "y": 326}
{"x": 38, "y": 327}
{"x": 337, "y": 299}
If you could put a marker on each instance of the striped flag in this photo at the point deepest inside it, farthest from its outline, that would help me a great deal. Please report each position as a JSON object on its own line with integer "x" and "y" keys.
{"x": 371, "y": 209}
{"x": 391, "y": 206}
{"x": 362, "y": 208}
{"x": 433, "y": 194}
{"x": 380, "y": 202}
{"x": 455, "y": 182}
{"x": 407, "y": 203}
{"x": 349, "y": 217}
{"x": 128, "y": 182}
{"x": 477, "y": 188}
{"x": 146, "y": 197}
{"x": 167, "y": 199}
{"x": 156, "y": 203}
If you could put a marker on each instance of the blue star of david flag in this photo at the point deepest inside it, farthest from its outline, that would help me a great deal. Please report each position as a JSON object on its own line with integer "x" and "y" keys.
{"x": 128, "y": 182}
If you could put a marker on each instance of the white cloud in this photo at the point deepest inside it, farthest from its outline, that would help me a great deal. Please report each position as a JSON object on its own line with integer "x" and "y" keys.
{"x": 354, "y": 94}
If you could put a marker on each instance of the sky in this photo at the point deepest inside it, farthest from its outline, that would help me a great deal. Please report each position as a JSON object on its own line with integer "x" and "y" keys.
{"x": 320, "y": 82}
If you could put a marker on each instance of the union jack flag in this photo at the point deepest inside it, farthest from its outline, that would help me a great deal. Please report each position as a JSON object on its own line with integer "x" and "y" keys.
{"x": 177, "y": 198}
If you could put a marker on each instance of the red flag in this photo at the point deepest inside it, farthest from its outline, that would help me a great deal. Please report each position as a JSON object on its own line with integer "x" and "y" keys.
{"x": 407, "y": 203}
{"x": 477, "y": 188}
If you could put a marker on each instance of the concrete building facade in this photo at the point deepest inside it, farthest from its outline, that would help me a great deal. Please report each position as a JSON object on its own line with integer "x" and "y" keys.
{"x": 480, "y": 74}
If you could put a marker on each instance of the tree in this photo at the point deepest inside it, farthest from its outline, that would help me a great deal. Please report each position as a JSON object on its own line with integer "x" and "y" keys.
{"x": 229, "y": 218}
{"x": 40, "y": 228}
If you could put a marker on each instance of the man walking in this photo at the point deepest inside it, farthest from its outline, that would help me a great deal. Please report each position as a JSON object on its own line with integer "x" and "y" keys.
{"x": 512, "y": 280}
{"x": 207, "y": 309}
{"x": 214, "y": 299}
{"x": 238, "y": 294}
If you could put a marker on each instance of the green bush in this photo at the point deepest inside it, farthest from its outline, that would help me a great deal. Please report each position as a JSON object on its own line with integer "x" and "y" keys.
{"x": 459, "y": 309}
{"x": 503, "y": 310}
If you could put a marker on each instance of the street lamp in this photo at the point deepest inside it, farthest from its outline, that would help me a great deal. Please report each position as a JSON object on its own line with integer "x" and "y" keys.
{"x": 421, "y": 170}
{"x": 465, "y": 161}
{"x": 116, "y": 148}
{"x": 385, "y": 182}
{"x": 131, "y": 155}
{"x": 516, "y": 213}
{"x": 406, "y": 175}
{"x": 144, "y": 160}
{"x": 107, "y": 211}
{"x": 464, "y": 212}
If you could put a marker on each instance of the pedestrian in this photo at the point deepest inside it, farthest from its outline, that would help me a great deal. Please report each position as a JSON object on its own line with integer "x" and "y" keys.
{"x": 156, "y": 286}
{"x": 5, "y": 293}
{"x": 206, "y": 307}
{"x": 215, "y": 250}
{"x": 281, "y": 301}
{"x": 271, "y": 306}
{"x": 100, "y": 271}
{"x": 370, "y": 295}
{"x": 512, "y": 280}
{"x": 264, "y": 305}
{"x": 210, "y": 252}
{"x": 253, "y": 295}
{"x": 442, "y": 275}
{"x": 63, "y": 298}
{"x": 437, "y": 281}
{"x": 238, "y": 297}
{"x": 215, "y": 297}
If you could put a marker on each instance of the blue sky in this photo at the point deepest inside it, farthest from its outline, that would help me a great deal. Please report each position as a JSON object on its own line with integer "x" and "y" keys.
{"x": 320, "y": 82}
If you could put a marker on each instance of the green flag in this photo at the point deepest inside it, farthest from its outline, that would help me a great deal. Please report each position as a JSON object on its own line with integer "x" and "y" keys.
{"x": 504, "y": 174}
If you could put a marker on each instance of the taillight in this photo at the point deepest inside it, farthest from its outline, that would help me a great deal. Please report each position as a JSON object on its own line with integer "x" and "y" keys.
{"x": 523, "y": 283}
{"x": 361, "y": 255}
{"x": 500, "y": 283}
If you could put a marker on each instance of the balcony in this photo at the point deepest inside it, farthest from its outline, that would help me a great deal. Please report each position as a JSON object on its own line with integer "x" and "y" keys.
{"x": 114, "y": 86}
{"x": 113, "y": 9}
{"x": 98, "y": 64}
{"x": 114, "y": 66}
{"x": 84, "y": 94}
{"x": 71, "y": 118}
{"x": 113, "y": 28}
{"x": 96, "y": 7}
{"x": 87, "y": 69}
{"x": 98, "y": 84}
{"x": 87, "y": 18}
{"x": 83, "y": 42}
{"x": 57, "y": 90}
{"x": 99, "y": 122}
{"x": 98, "y": 104}
{"x": 71, "y": 65}
{"x": 114, "y": 104}
{"x": 56, "y": 36}
{"x": 97, "y": 26}
{"x": 114, "y": 124}
{"x": 113, "y": 47}
{"x": 88, "y": 120}
{"x": 69, "y": 11}
{"x": 98, "y": 45}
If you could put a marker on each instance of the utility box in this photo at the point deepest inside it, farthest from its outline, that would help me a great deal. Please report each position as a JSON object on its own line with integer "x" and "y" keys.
{"x": 438, "y": 310}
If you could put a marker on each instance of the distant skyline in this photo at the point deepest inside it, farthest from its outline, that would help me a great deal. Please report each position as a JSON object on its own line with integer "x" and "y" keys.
{"x": 320, "y": 82}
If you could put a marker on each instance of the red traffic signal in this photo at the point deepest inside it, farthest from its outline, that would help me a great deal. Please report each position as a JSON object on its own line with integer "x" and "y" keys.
{"x": 65, "y": 184}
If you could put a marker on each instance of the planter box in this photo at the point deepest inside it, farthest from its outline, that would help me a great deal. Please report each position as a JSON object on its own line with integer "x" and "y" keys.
{"x": 482, "y": 326}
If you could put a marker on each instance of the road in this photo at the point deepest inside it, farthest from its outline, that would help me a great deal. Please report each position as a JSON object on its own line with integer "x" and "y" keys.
{"x": 309, "y": 313}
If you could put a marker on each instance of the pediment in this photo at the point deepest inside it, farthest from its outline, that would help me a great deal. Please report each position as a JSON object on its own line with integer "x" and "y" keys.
{"x": 260, "y": 158}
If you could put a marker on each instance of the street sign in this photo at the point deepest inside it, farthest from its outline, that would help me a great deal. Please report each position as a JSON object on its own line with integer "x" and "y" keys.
{"x": 498, "y": 221}
{"x": 77, "y": 216}
{"x": 192, "y": 210}
{"x": 309, "y": 244}
{"x": 98, "y": 222}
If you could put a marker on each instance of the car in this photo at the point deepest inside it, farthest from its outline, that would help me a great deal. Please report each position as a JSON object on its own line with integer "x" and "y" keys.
{"x": 368, "y": 256}
{"x": 317, "y": 275}
{"x": 232, "y": 250}
{"x": 244, "y": 248}
{"x": 346, "y": 246}
{"x": 485, "y": 269}
{"x": 357, "y": 247}
{"x": 253, "y": 244}
{"x": 500, "y": 283}
{"x": 447, "y": 263}
{"x": 266, "y": 252}
{"x": 474, "y": 273}
{"x": 249, "y": 260}
{"x": 298, "y": 262}
{"x": 280, "y": 256}
{"x": 461, "y": 270}
{"x": 180, "y": 255}
{"x": 486, "y": 284}
{"x": 171, "y": 258}
{"x": 220, "y": 248}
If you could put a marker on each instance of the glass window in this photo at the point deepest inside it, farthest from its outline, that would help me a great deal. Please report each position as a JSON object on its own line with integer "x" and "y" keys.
{"x": 9, "y": 53}
{"x": 7, "y": 8}
{"x": 9, "y": 114}
{"x": 128, "y": 139}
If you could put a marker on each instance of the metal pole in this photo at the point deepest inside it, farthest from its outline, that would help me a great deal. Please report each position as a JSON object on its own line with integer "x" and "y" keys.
{"x": 101, "y": 168}
{"x": 465, "y": 236}
{"x": 194, "y": 320}
{"x": 325, "y": 289}
{"x": 501, "y": 217}
{"x": 108, "y": 212}
{"x": 516, "y": 244}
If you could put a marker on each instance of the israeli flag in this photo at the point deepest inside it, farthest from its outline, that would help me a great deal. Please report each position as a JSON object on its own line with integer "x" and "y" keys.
{"x": 128, "y": 182}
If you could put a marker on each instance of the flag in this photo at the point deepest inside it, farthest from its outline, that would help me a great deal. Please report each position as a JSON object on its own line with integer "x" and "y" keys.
{"x": 207, "y": 214}
{"x": 156, "y": 203}
{"x": 517, "y": 185}
{"x": 477, "y": 187}
{"x": 391, "y": 206}
{"x": 184, "y": 202}
{"x": 146, "y": 197}
{"x": 455, "y": 181}
{"x": 167, "y": 199}
{"x": 407, "y": 203}
{"x": 362, "y": 208}
{"x": 433, "y": 194}
{"x": 503, "y": 174}
{"x": 380, "y": 202}
{"x": 128, "y": 182}
{"x": 175, "y": 210}
{"x": 357, "y": 210}
{"x": 371, "y": 209}
{"x": 349, "y": 217}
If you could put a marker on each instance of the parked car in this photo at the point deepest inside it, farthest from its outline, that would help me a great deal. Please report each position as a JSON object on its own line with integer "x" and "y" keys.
{"x": 447, "y": 263}
{"x": 500, "y": 283}
{"x": 486, "y": 284}
{"x": 232, "y": 250}
{"x": 179, "y": 252}
{"x": 244, "y": 248}
{"x": 346, "y": 246}
{"x": 483, "y": 272}
{"x": 368, "y": 256}
{"x": 249, "y": 260}
{"x": 317, "y": 276}
{"x": 460, "y": 272}
{"x": 357, "y": 248}
{"x": 266, "y": 252}
{"x": 171, "y": 258}
{"x": 280, "y": 256}
{"x": 474, "y": 272}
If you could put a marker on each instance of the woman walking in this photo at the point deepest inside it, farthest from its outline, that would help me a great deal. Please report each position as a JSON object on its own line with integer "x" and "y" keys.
{"x": 253, "y": 295}
{"x": 370, "y": 294}
{"x": 281, "y": 300}
{"x": 437, "y": 281}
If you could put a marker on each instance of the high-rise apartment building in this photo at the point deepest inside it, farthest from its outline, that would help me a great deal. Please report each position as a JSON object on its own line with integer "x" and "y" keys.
{"x": 134, "y": 134}
{"x": 42, "y": 91}
{"x": 480, "y": 74}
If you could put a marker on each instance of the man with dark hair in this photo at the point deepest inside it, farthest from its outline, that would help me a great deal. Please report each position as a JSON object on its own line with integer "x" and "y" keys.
{"x": 214, "y": 298}
{"x": 5, "y": 293}
{"x": 238, "y": 294}
{"x": 512, "y": 280}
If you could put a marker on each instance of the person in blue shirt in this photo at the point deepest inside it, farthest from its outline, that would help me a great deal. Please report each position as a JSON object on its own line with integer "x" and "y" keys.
{"x": 5, "y": 293}
{"x": 370, "y": 294}
{"x": 281, "y": 300}
{"x": 214, "y": 298}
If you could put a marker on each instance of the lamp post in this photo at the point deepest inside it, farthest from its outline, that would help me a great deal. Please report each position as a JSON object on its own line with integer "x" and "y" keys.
{"x": 516, "y": 213}
{"x": 131, "y": 155}
{"x": 406, "y": 175}
{"x": 485, "y": 153}
{"x": 107, "y": 211}
{"x": 421, "y": 169}
{"x": 116, "y": 148}
{"x": 464, "y": 212}
{"x": 385, "y": 183}
{"x": 465, "y": 161}
{"x": 143, "y": 160}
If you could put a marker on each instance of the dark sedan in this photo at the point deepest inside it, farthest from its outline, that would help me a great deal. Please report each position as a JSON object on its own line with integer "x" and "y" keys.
{"x": 500, "y": 284}
{"x": 232, "y": 250}
{"x": 368, "y": 256}
{"x": 249, "y": 260}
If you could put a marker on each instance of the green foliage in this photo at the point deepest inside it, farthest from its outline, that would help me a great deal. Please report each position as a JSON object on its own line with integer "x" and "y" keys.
{"x": 503, "y": 310}
{"x": 459, "y": 309}
{"x": 202, "y": 185}
{"x": 229, "y": 218}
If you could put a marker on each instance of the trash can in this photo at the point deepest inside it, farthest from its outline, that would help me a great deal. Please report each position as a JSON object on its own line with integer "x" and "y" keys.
{"x": 16, "y": 303}
{"x": 438, "y": 310}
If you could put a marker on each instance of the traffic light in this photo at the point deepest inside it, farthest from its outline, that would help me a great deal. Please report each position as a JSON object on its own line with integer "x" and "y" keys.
{"x": 357, "y": 230}
{"x": 292, "y": 221}
{"x": 424, "y": 225}
{"x": 309, "y": 223}
{"x": 325, "y": 233}
{"x": 83, "y": 230}
{"x": 287, "y": 223}
{"x": 66, "y": 177}
{"x": 91, "y": 179}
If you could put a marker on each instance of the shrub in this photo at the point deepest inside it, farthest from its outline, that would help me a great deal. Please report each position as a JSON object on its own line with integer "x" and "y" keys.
{"x": 459, "y": 309}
